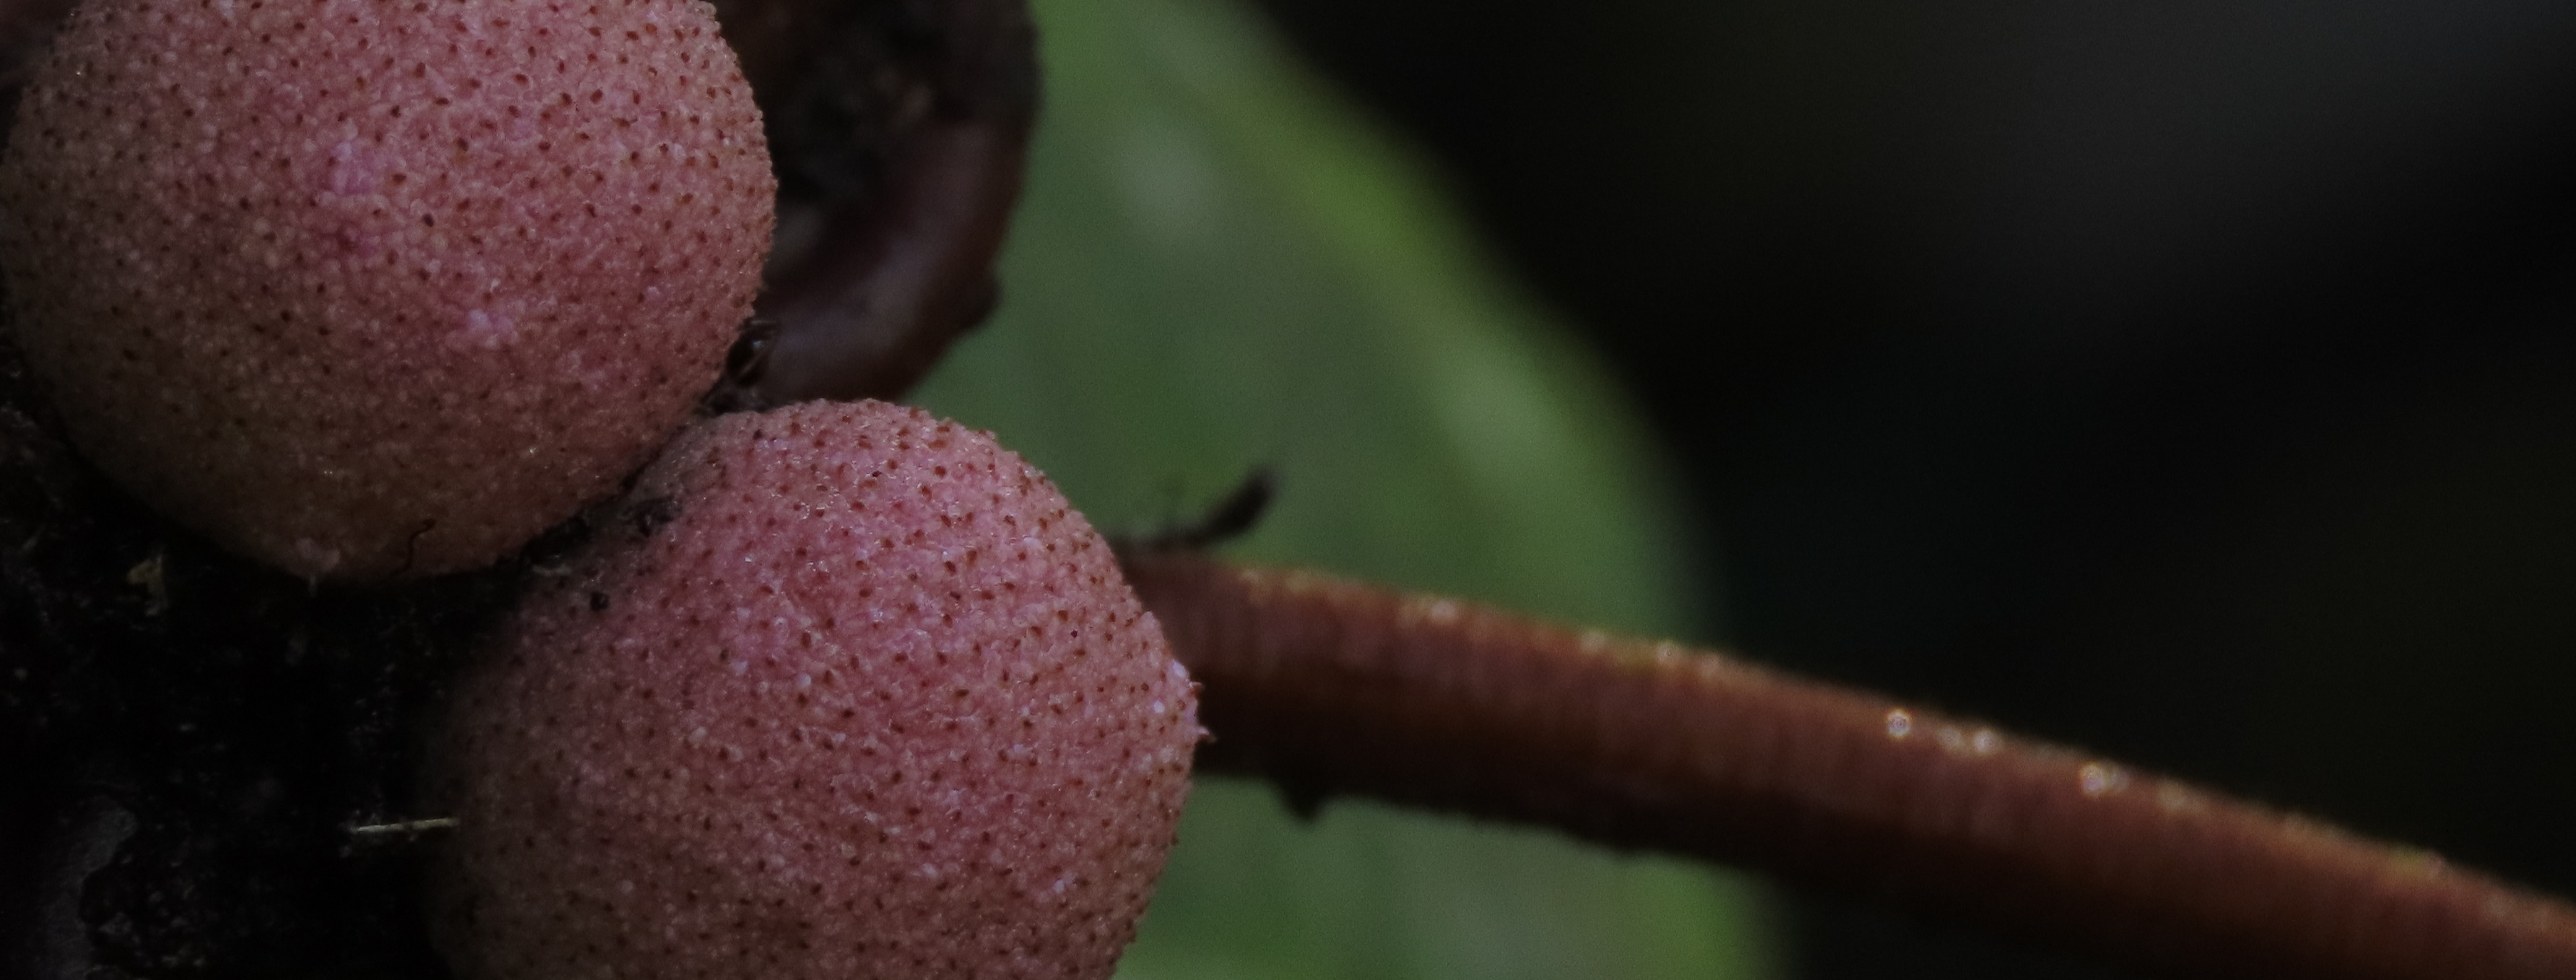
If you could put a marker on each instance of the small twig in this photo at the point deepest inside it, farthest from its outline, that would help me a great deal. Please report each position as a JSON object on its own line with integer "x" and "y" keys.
{"x": 1231, "y": 517}
{"x": 152, "y": 574}
{"x": 409, "y": 828}
{"x": 1330, "y": 686}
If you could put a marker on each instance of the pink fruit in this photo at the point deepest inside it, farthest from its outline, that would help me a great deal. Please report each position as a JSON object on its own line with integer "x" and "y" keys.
{"x": 375, "y": 288}
{"x": 855, "y": 695}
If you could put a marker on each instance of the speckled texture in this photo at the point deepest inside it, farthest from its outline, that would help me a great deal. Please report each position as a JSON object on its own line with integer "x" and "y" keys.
{"x": 853, "y": 694}
{"x": 373, "y": 288}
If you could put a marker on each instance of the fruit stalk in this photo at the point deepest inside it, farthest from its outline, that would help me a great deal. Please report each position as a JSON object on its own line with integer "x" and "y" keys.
{"x": 1329, "y": 686}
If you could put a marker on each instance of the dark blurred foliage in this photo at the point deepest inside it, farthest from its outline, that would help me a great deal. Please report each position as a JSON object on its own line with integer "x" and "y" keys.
{"x": 2189, "y": 381}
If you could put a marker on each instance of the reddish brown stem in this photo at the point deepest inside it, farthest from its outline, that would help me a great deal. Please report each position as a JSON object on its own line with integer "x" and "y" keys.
{"x": 900, "y": 276}
{"x": 900, "y": 129}
{"x": 1330, "y": 686}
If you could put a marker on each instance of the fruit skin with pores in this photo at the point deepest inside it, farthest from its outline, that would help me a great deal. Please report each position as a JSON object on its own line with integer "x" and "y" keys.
{"x": 372, "y": 289}
{"x": 850, "y": 693}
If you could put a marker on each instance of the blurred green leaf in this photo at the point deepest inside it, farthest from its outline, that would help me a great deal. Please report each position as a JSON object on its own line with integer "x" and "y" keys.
{"x": 1220, "y": 266}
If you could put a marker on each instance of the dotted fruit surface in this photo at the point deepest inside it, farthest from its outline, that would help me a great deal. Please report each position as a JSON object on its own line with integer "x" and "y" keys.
{"x": 852, "y": 694}
{"x": 375, "y": 288}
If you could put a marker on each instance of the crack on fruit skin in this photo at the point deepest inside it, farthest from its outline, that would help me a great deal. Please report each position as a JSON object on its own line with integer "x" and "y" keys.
{"x": 651, "y": 514}
{"x": 745, "y": 364}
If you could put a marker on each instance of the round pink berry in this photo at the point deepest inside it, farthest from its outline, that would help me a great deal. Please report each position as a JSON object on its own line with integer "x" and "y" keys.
{"x": 381, "y": 288}
{"x": 851, "y": 693}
